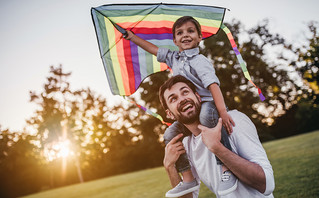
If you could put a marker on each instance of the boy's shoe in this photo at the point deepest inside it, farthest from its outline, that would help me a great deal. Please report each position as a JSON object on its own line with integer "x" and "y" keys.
{"x": 228, "y": 183}
{"x": 183, "y": 188}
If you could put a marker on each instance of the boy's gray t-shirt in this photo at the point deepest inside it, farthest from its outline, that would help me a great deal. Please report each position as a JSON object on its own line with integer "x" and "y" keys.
{"x": 193, "y": 66}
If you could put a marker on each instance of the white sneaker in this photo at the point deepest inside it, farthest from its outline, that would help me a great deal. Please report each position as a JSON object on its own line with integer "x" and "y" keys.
{"x": 183, "y": 188}
{"x": 228, "y": 183}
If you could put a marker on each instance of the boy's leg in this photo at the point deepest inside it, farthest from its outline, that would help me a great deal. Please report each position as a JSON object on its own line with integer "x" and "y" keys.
{"x": 209, "y": 118}
{"x": 225, "y": 141}
{"x": 176, "y": 128}
{"x": 182, "y": 165}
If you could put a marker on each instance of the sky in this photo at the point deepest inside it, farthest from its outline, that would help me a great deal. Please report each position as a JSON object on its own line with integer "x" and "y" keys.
{"x": 36, "y": 34}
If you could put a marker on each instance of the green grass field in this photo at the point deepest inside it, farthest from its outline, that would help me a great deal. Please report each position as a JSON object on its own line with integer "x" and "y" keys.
{"x": 295, "y": 161}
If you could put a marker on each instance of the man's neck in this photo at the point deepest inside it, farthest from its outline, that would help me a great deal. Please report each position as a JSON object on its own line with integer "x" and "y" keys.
{"x": 193, "y": 128}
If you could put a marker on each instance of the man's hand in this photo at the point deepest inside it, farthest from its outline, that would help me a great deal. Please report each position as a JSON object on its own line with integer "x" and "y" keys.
{"x": 211, "y": 136}
{"x": 173, "y": 150}
{"x": 228, "y": 122}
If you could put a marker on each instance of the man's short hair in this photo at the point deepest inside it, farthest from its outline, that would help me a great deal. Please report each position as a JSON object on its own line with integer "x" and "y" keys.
{"x": 182, "y": 20}
{"x": 170, "y": 83}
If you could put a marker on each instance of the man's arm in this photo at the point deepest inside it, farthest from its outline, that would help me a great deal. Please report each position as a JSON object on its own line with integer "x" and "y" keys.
{"x": 248, "y": 172}
{"x": 147, "y": 46}
{"x": 172, "y": 152}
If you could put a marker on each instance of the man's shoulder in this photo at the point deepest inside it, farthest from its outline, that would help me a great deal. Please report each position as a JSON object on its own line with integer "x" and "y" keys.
{"x": 238, "y": 115}
{"x": 243, "y": 125}
{"x": 241, "y": 117}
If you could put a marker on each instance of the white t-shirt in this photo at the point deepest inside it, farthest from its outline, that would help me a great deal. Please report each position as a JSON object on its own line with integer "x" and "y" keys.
{"x": 245, "y": 143}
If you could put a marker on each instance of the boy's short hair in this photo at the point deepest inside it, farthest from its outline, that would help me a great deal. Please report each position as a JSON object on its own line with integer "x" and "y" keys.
{"x": 182, "y": 20}
{"x": 169, "y": 84}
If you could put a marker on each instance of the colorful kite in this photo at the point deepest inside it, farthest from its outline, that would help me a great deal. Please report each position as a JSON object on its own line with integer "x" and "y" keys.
{"x": 126, "y": 64}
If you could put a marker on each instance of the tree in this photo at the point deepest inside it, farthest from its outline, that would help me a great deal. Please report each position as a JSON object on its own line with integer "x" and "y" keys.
{"x": 308, "y": 62}
{"x": 270, "y": 76}
{"x": 303, "y": 115}
{"x": 100, "y": 140}
{"x": 18, "y": 164}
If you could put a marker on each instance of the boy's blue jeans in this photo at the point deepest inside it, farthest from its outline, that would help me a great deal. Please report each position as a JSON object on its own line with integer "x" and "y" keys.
{"x": 209, "y": 118}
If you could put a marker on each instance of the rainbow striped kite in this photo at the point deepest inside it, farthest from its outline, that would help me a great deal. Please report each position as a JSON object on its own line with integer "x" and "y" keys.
{"x": 125, "y": 63}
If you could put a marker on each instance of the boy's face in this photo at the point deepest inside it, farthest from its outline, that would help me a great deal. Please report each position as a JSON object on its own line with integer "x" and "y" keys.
{"x": 186, "y": 36}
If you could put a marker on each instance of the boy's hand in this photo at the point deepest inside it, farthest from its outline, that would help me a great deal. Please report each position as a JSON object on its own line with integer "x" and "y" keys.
{"x": 130, "y": 34}
{"x": 228, "y": 122}
{"x": 144, "y": 44}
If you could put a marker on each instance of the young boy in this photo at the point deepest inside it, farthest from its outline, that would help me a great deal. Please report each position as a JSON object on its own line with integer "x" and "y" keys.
{"x": 199, "y": 70}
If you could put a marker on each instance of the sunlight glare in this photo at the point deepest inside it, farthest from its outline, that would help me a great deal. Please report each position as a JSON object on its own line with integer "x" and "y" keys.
{"x": 57, "y": 150}
{"x": 63, "y": 149}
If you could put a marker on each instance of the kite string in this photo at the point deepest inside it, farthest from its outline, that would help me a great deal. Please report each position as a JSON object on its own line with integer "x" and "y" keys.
{"x": 119, "y": 28}
{"x": 147, "y": 111}
{"x": 114, "y": 27}
{"x": 240, "y": 59}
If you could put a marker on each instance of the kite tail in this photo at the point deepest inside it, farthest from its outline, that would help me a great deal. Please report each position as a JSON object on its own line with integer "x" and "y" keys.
{"x": 240, "y": 60}
{"x": 148, "y": 111}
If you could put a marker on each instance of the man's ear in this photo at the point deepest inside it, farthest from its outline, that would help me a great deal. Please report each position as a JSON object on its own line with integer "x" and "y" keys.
{"x": 198, "y": 97}
{"x": 169, "y": 114}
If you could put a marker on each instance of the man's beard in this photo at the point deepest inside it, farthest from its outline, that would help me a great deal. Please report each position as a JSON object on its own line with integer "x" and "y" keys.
{"x": 192, "y": 116}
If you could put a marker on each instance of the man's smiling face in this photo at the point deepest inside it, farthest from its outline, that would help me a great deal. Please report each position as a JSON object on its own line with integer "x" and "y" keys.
{"x": 183, "y": 104}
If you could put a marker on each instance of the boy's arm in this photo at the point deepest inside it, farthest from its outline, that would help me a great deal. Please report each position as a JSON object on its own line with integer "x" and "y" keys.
{"x": 147, "y": 46}
{"x": 221, "y": 107}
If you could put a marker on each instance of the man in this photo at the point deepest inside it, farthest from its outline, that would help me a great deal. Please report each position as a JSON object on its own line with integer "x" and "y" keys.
{"x": 248, "y": 161}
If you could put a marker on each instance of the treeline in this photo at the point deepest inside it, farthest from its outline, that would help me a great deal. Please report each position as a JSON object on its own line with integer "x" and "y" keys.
{"x": 74, "y": 136}
{"x": 78, "y": 138}
{"x": 286, "y": 73}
